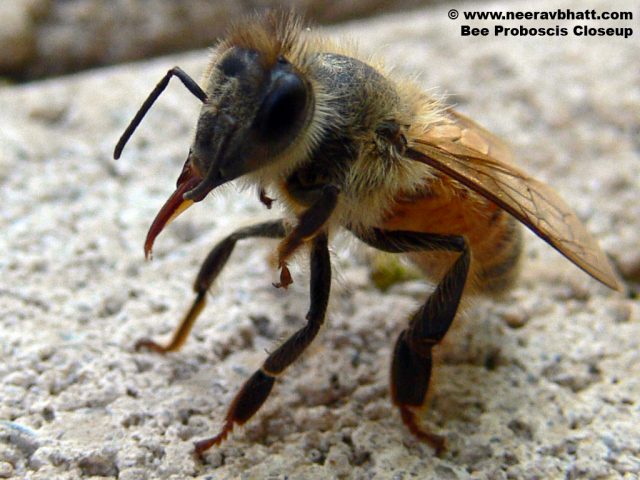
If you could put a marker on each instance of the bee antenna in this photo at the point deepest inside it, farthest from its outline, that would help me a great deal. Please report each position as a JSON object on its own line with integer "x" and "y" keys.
{"x": 188, "y": 82}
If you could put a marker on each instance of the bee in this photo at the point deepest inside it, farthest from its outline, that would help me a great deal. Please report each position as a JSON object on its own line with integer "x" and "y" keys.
{"x": 341, "y": 143}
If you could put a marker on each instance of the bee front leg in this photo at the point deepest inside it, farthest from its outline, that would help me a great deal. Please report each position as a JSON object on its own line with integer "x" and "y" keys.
{"x": 212, "y": 266}
{"x": 309, "y": 223}
{"x": 412, "y": 356}
{"x": 256, "y": 390}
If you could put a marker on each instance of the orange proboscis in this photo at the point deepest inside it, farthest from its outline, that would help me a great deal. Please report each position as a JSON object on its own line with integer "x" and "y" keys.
{"x": 174, "y": 206}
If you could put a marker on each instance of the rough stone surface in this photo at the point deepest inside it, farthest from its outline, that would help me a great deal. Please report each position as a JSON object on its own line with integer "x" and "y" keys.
{"x": 48, "y": 37}
{"x": 544, "y": 384}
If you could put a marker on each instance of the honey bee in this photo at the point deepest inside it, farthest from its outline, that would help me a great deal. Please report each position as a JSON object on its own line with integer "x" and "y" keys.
{"x": 343, "y": 144}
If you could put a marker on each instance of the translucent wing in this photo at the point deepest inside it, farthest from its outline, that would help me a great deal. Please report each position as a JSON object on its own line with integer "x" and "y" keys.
{"x": 474, "y": 157}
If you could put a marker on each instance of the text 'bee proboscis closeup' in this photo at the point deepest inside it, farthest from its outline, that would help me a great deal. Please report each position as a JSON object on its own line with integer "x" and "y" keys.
{"x": 343, "y": 144}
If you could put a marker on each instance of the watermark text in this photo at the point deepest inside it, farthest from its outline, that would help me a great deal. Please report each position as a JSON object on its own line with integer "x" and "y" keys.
{"x": 566, "y": 22}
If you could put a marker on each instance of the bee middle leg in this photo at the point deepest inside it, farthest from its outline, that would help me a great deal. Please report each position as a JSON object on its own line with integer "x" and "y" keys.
{"x": 256, "y": 390}
{"x": 209, "y": 271}
{"x": 412, "y": 356}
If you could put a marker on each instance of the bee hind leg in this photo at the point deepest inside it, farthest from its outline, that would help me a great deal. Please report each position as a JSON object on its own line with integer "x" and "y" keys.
{"x": 412, "y": 356}
{"x": 209, "y": 271}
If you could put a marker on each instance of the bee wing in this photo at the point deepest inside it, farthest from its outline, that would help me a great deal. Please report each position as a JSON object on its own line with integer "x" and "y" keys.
{"x": 477, "y": 159}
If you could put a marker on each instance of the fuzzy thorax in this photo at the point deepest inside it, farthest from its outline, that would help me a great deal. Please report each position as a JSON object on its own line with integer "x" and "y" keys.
{"x": 351, "y": 99}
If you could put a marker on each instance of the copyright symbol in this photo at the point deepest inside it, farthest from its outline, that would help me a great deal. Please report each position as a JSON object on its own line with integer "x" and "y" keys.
{"x": 453, "y": 14}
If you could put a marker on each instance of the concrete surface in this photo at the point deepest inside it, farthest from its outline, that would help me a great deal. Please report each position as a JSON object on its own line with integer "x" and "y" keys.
{"x": 544, "y": 384}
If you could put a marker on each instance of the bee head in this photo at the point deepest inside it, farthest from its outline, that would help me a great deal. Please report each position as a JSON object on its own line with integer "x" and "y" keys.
{"x": 256, "y": 109}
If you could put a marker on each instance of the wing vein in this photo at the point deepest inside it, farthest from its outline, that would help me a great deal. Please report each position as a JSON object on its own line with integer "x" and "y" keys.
{"x": 494, "y": 177}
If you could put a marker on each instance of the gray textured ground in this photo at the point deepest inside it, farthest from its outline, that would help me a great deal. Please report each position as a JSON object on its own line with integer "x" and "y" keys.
{"x": 543, "y": 385}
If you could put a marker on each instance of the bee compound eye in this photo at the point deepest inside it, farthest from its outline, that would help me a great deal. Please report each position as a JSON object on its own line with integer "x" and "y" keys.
{"x": 283, "y": 108}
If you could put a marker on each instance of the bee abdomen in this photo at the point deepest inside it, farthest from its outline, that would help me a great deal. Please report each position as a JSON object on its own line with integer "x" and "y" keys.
{"x": 498, "y": 267}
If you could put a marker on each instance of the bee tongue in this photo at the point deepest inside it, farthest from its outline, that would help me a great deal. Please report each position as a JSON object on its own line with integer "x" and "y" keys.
{"x": 174, "y": 206}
